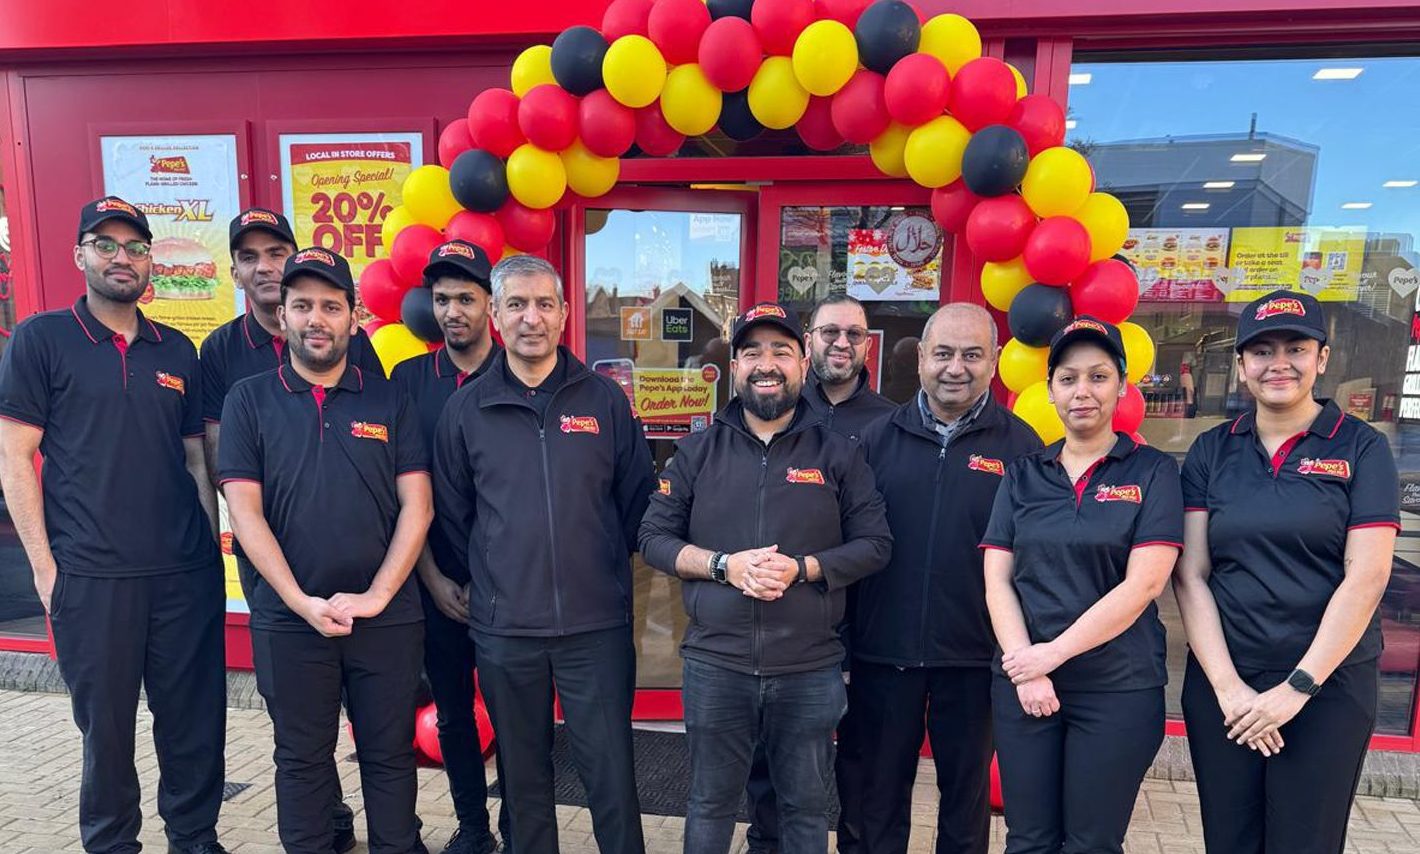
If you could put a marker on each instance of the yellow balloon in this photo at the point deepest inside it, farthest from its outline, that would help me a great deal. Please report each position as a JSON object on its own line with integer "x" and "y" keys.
{"x": 1057, "y": 182}
{"x": 1033, "y": 406}
{"x": 533, "y": 67}
{"x": 825, "y": 56}
{"x": 776, "y": 98}
{"x": 427, "y": 196}
{"x": 1022, "y": 367}
{"x": 587, "y": 174}
{"x": 1138, "y": 350}
{"x": 398, "y": 219}
{"x": 509, "y": 252}
{"x": 688, "y": 101}
{"x": 1021, "y": 89}
{"x": 888, "y": 150}
{"x": 536, "y": 177}
{"x": 934, "y": 151}
{"x": 1105, "y": 218}
{"x": 633, "y": 71}
{"x": 952, "y": 39}
{"x": 394, "y": 343}
{"x": 1001, "y": 281}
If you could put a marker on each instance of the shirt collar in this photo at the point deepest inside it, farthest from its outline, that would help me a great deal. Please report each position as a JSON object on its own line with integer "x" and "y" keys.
{"x": 444, "y": 363}
{"x": 931, "y": 421}
{"x": 353, "y": 380}
{"x": 1325, "y": 425}
{"x": 256, "y": 334}
{"x": 1123, "y": 446}
{"x": 97, "y": 331}
{"x": 816, "y": 387}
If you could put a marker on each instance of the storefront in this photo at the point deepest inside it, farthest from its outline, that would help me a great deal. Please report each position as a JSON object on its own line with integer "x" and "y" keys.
{"x": 1253, "y": 144}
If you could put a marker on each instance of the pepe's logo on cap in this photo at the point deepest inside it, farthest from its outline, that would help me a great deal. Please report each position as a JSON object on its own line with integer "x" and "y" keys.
{"x": 266, "y": 217}
{"x": 1335, "y": 468}
{"x": 112, "y": 204}
{"x": 456, "y": 249}
{"x": 1086, "y": 324}
{"x": 1131, "y": 493}
{"x": 580, "y": 424}
{"x": 814, "y": 476}
{"x": 366, "y": 430}
{"x": 318, "y": 255}
{"x": 976, "y": 462}
{"x": 1274, "y": 307}
{"x": 764, "y": 311}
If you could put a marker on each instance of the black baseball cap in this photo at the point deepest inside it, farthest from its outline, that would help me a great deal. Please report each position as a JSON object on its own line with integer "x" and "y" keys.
{"x": 767, "y": 314}
{"x": 112, "y": 207}
{"x": 1087, "y": 328}
{"x": 1282, "y": 311}
{"x": 316, "y": 261}
{"x": 252, "y": 219}
{"x": 462, "y": 259}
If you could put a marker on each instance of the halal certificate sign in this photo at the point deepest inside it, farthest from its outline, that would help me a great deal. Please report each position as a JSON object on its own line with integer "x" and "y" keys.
{"x": 900, "y": 262}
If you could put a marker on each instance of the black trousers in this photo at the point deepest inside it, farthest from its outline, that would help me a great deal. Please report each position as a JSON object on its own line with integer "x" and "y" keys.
{"x": 1069, "y": 781}
{"x": 594, "y": 676}
{"x": 1298, "y": 801}
{"x": 301, "y": 676}
{"x": 164, "y": 633}
{"x": 893, "y": 707}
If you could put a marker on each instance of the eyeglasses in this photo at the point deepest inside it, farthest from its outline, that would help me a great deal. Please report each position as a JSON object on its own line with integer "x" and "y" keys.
{"x": 830, "y": 334}
{"x": 107, "y": 247}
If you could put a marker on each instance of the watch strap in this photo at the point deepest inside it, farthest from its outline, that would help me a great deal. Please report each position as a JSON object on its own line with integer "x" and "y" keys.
{"x": 803, "y": 569}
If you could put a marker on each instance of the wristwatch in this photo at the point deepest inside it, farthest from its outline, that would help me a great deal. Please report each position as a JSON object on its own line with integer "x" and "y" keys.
{"x": 720, "y": 568}
{"x": 1302, "y": 681}
{"x": 803, "y": 570}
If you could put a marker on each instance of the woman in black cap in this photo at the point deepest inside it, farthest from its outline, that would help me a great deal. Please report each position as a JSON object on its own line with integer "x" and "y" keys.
{"x": 1082, "y": 538}
{"x": 1292, "y": 513}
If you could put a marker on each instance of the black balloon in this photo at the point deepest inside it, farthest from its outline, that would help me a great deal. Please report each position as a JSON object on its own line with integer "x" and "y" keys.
{"x": 995, "y": 161}
{"x": 417, "y": 312}
{"x": 887, "y": 31}
{"x": 1037, "y": 313}
{"x": 736, "y": 120}
{"x": 479, "y": 181}
{"x": 729, "y": 8}
{"x": 577, "y": 60}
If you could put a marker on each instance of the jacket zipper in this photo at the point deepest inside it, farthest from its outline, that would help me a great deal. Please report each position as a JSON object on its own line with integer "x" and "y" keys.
{"x": 754, "y": 650}
{"x": 931, "y": 545}
{"x": 551, "y": 528}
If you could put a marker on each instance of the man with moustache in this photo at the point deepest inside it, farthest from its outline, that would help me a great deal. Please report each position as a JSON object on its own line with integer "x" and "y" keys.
{"x": 542, "y": 475}
{"x": 764, "y": 587}
{"x": 458, "y": 274}
{"x": 921, "y": 637}
{"x": 326, "y": 476}
{"x": 121, "y": 536}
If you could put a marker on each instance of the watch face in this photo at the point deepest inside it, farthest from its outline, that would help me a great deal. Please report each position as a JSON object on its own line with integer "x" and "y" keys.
{"x": 1302, "y": 681}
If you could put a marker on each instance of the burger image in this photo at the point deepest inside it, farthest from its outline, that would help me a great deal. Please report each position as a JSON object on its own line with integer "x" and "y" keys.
{"x": 183, "y": 269}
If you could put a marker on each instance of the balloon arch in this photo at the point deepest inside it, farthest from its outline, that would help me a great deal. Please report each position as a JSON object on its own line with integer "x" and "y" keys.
{"x": 916, "y": 91}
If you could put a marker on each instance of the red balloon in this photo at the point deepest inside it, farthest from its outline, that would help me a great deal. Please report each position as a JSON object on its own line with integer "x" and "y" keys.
{"x": 859, "y": 109}
{"x": 1129, "y": 414}
{"x": 653, "y": 135}
{"x": 1058, "y": 250}
{"x": 997, "y": 229}
{"x": 525, "y": 228}
{"x": 779, "y": 23}
{"x": 1107, "y": 289}
{"x": 374, "y": 325}
{"x": 625, "y": 18}
{"x": 1040, "y": 121}
{"x": 845, "y": 12}
{"x": 952, "y": 204}
{"x": 480, "y": 229}
{"x": 453, "y": 141}
{"x": 548, "y": 117}
{"x": 410, "y": 254}
{"x": 730, "y": 54}
{"x": 983, "y": 93}
{"x": 493, "y": 122}
{"x": 816, "y": 126}
{"x": 608, "y": 127}
{"x": 426, "y": 734}
{"x": 382, "y": 291}
{"x": 917, "y": 89}
{"x": 675, "y": 26}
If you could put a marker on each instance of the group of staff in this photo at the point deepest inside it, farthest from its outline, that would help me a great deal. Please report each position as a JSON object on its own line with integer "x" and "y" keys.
{"x": 857, "y": 574}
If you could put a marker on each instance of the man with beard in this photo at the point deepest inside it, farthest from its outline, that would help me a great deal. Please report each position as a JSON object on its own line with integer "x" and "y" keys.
{"x": 326, "y": 476}
{"x": 921, "y": 637}
{"x": 122, "y": 539}
{"x": 458, "y": 274}
{"x": 542, "y": 477}
{"x": 764, "y": 587}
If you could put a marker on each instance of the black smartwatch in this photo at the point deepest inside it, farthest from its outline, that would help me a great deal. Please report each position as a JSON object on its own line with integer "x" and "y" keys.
{"x": 803, "y": 570}
{"x": 1302, "y": 681}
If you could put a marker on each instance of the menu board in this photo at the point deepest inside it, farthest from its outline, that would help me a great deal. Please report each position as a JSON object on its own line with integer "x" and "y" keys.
{"x": 1177, "y": 264}
{"x": 1324, "y": 262}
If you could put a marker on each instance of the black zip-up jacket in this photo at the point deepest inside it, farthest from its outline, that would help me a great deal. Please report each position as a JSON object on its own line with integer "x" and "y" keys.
{"x": 928, "y": 608}
{"x": 547, "y": 510}
{"x": 851, "y": 417}
{"x": 810, "y": 491}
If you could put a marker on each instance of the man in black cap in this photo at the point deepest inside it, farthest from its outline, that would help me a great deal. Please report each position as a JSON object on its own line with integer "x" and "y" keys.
{"x": 458, "y": 275}
{"x": 766, "y": 517}
{"x": 122, "y": 537}
{"x": 326, "y": 476}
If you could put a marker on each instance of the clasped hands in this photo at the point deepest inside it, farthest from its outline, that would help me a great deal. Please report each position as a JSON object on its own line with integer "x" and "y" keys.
{"x": 762, "y": 574}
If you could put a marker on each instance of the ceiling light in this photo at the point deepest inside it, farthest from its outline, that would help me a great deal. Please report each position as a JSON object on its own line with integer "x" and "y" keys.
{"x": 1196, "y": 206}
{"x": 1219, "y": 185}
{"x": 1070, "y": 124}
{"x": 1248, "y": 158}
{"x": 1400, "y": 183}
{"x": 1355, "y": 206}
{"x": 1081, "y": 79}
{"x": 1337, "y": 73}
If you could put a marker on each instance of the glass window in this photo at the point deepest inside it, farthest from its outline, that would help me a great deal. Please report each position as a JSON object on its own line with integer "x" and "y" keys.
{"x": 1259, "y": 172}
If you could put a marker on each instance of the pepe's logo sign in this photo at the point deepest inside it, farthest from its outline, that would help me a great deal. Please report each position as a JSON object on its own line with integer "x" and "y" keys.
{"x": 263, "y": 217}
{"x": 1335, "y": 468}
{"x": 116, "y": 205}
{"x": 663, "y": 486}
{"x": 813, "y": 476}
{"x": 1132, "y": 493}
{"x": 366, "y": 430}
{"x": 580, "y": 424}
{"x": 1086, "y": 324}
{"x": 176, "y": 165}
{"x": 1274, "y": 307}
{"x": 318, "y": 255}
{"x": 456, "y": 249}
{"x": 976, "y": 462}
{"x": 172, "y": 381}
{"x": 764, "y": 311}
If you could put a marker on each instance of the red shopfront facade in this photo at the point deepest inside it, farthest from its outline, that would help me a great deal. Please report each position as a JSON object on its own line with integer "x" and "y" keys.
{"x": 1154, "y": 92}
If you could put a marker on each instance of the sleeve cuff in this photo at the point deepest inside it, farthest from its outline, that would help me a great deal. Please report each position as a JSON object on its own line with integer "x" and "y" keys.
{"x": 238, "y": 479}
{"x": 1193, "y": 509}
{"x": 1379, "y": 523}
{"x": 416, "y": 470}
{"x": 995, "y": 548}
{"x": 1174, "y": 543}
{"x": 27, "y": 420}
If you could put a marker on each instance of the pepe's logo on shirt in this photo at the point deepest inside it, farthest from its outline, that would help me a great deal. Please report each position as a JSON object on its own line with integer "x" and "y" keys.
{"x": 580, "y": 424}
{"x": 366, "y": 430}
{"x": 976, "y": 462}
{"x": 813, "y": 476}
{"x": 1335, "y": 468}
{"x": 663, "y": 486}
{"x": 1274, "y": 307}
{"x": 172, "y": 381}
{"x": 1131, "y": 493}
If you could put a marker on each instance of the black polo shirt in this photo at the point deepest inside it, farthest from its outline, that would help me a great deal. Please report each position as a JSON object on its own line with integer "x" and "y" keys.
{"x": 1072, "y": 544}
{"x": 242, "y": 348}
{"x": 1277, "y": 528}
{"x": 327, "y": 460}
{"x": 540, "y": 397}
{"x": 118, "y": 498}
